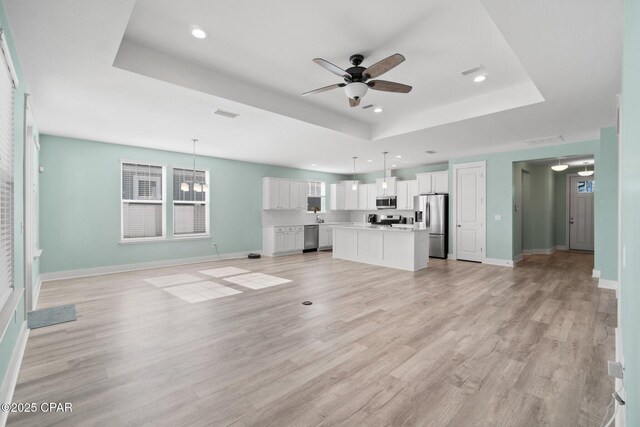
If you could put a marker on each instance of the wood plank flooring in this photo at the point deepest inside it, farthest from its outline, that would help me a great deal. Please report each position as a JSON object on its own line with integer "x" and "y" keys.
{"x": 457, "y": 344}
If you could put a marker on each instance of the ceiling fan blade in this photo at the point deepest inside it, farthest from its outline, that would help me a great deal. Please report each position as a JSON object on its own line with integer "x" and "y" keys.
{"x": 324, "y": 89}
{"x": 333, "y": 68}
{"x": 389, "y": 86}
{"x": 381, "y": 67}
{"x": 354, "y": 102}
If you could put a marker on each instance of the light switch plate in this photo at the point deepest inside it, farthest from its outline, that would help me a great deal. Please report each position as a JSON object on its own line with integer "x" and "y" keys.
{"x": 498, "y": 217}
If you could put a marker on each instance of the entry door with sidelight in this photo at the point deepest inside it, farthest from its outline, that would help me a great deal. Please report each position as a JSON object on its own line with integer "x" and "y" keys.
{"x": 581, "y": 213}
{"x": 470, "y": 213}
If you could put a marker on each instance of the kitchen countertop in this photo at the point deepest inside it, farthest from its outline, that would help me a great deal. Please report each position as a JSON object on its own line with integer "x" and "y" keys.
{"x": 313, "y": 223}
{"x": 403, "y": 228}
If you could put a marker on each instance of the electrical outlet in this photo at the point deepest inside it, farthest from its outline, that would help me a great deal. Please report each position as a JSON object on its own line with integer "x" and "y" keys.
{"x": 615, "y": 369}
{"x": 215, "y": 245}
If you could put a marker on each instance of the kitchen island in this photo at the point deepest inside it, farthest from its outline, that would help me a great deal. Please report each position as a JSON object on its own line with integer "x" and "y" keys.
{"x": 405, "y": 247}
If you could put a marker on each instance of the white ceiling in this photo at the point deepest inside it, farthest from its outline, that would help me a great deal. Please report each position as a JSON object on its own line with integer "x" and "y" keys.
{"x": 129, "y": 72}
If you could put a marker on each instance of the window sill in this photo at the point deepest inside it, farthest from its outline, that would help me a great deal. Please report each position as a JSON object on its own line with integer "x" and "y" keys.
{"x": 192, "y": 237}
{"x": 142, "y": 240}
{"x": 165, "y": 240}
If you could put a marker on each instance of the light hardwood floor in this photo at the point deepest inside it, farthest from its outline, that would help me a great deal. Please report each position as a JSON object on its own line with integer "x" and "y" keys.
{"x": 458, "y": 344}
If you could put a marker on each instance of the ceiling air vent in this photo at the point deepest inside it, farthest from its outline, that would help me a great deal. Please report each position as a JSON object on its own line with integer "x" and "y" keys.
{"x": 473, "y": 70}
{"x": 555, "y": 139}
{"x": 430, "y": 152}
{"x": 225, "y": 113}
{"x": 367, "y": 106}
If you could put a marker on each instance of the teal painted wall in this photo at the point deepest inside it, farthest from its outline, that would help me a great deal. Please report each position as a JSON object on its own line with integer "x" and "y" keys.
{"x": 500, "y": 192}
{"x": 606, "y": 205}
{"x": 80, "y": 204}
{"x": 8, "y": 343}
{"x": 630, "y": 192}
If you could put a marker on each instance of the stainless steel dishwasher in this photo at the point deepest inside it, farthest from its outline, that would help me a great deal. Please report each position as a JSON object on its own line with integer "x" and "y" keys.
{"x": 310, "y": 238}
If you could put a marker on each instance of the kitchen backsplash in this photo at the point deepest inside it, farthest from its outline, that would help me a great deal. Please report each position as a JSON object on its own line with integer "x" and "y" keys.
{"x": 298, "y": 217}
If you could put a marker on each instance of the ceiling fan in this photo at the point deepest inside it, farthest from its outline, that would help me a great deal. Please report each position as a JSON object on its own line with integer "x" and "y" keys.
{"x": 357, "y": 78}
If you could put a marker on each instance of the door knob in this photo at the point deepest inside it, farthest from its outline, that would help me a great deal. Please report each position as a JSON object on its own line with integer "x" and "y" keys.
{"x": 459, "y": 225}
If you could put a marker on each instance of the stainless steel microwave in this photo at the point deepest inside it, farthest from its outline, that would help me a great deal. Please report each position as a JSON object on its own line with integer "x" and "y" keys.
{"x": 386, "y": 202}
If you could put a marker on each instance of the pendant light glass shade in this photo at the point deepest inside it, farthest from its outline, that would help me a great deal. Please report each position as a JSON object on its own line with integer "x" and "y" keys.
{"x": 205, "y": 187}
{"x": 585, "y": 172}
{"x": 184, "y": 186}
{"x": 559, "y": 167}
{"x": 384, "y": 157}
{"x": 197, "y": 187}
{"x": 354, "y": 186}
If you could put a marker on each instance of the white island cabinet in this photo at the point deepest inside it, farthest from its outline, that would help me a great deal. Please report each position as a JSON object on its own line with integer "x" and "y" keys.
{"x": 405, "y": 248}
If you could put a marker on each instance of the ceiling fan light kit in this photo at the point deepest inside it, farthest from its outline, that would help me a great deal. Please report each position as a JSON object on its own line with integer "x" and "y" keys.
{"x": 357, "y": 78}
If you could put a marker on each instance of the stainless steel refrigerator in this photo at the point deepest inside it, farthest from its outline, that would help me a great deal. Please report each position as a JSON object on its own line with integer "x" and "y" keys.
{"x": 432, "y": 211}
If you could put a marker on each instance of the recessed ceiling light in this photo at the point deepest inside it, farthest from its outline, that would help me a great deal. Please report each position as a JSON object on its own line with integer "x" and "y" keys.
{"x": 377, "y": 110}
{"x": 393, "y": 166}
{"x": 313, "y": 164}
{"x": 369, "y": 160}
{"x": 480, "y": 78}
{"x": 398, "y": 157}
{"x": 198, "y": 33}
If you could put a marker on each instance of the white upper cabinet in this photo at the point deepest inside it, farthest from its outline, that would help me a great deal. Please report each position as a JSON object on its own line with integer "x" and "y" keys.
{"x": 406, "y": 191}
{"x": 363, "y": 193}
{"x": 337, "y": 201}
{"x": 433, "y": 182}
{"x": 371, "y": 196}
{"x": 440, "y": 182}
{"x": 391, "y": 186}
{"x": 297, "y": 195}
{"x": 283, "y": 194}
{"x": 350, "y": 195}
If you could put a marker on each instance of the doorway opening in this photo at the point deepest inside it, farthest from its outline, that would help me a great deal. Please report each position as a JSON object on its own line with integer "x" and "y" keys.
{"x": 553, "y": 209}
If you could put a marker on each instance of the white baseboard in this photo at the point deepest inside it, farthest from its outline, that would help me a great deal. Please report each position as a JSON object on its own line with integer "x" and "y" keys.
{"x": 562, "y": 248}
{"x": 517, "y": 259}
{"x": 546, "y": 251}
{"x": 608, "y": 284}
{"x": 596, "y": 274}
{"x": 500, "y": 262}
{"x": 11, "y": 377}
{"x": 69, "y": 274}
{"x": 451, "y": 256}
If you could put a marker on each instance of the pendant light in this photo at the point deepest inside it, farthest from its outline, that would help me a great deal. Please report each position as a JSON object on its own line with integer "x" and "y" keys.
{"x": 559, "y": 167}
{"x": 197, "y": 187}
{"x": 384, "y": 183}
{"x": 585, "y": 172}
{"x": 354, "y": 186}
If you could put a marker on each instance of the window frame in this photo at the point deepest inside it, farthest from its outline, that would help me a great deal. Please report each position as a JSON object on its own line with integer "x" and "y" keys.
{"x": 323, "y": 196}
{"x": 207, "y": 200}
{"x": 162, "y": 202}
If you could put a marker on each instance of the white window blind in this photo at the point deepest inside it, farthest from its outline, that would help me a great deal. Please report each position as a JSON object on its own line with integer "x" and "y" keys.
{"x": 190, "y": 208}
{"x": 6, "y": 175}
{"x": 142, "y": 201}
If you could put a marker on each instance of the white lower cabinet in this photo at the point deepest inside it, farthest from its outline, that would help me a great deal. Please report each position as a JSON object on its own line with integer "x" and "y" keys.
{"x": 325, "y": 237}
{"x": 282, "y": 240}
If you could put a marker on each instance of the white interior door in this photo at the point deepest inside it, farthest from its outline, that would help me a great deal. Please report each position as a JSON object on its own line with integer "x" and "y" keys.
{"x": 581, "y": 213}
{"x": 469, "y": 212}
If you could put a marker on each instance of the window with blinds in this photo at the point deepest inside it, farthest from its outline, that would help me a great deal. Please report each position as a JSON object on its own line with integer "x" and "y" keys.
{"x": 190, "y": 208}
{"x": 315, "y": 196}
{"x": 143, "y": 201}
{"x": 7, "y": 89}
